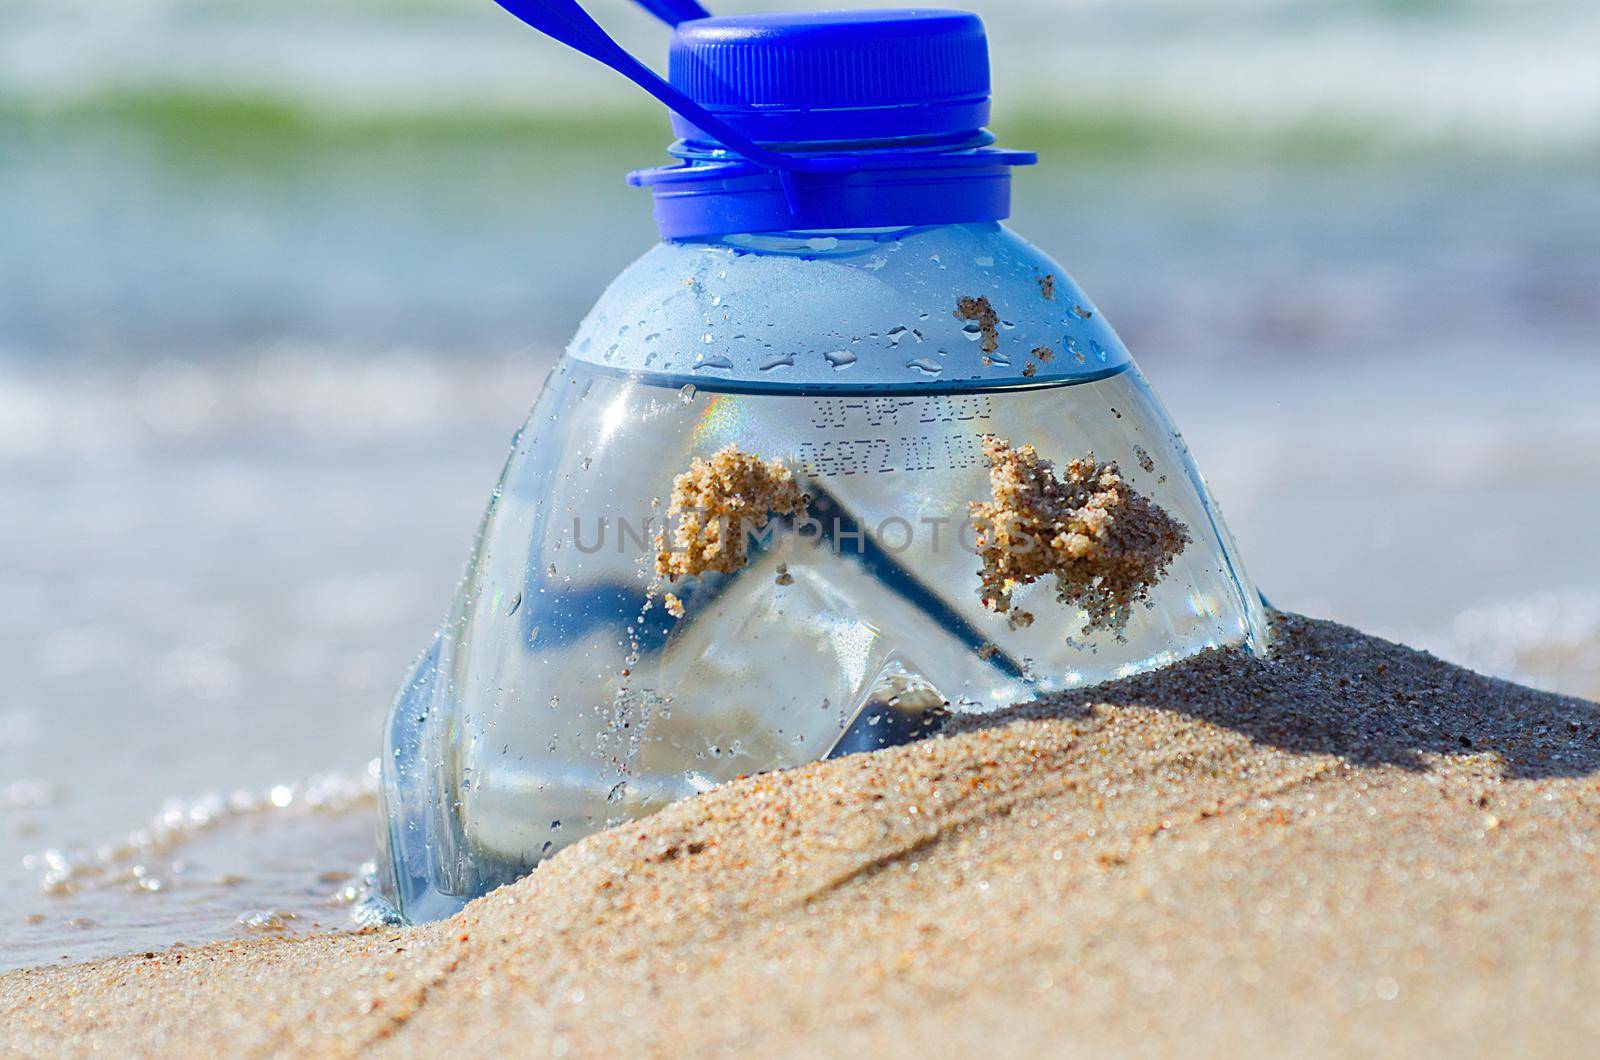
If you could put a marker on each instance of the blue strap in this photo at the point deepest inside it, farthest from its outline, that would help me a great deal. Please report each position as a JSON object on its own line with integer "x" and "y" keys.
{"x": 673, "y": 12}
{"x": 571, "y": 25}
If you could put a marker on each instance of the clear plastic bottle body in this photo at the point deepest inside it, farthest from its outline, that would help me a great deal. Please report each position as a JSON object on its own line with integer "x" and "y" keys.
{"x": 561, "y": 696}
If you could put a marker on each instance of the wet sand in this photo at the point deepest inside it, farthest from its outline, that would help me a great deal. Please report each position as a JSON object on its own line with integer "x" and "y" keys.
{"x": 1352, "y": 847}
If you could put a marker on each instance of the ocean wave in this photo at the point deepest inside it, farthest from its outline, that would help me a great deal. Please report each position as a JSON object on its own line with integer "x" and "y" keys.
{"x": 286, "y": 394}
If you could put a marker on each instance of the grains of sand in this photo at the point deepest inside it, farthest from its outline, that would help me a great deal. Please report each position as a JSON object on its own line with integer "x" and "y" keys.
{"x": 1105, "y": 544}
{"x": 979, "y": 311}
{"x": 716, "y": 505}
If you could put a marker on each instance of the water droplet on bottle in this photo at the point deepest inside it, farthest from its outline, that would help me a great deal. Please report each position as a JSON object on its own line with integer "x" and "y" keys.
{"x": 720, "y": 364}
{"x": 822, "y": 243}
{"x": 516, "y": 602}
{"x": 925, "y": 364}
{"x": 840, "y": 358}
{"x": 555, "y": 702}
{"x": 782, "y": 360}
{"x": 616, "y": 794}
{"x": 687, "y": 392}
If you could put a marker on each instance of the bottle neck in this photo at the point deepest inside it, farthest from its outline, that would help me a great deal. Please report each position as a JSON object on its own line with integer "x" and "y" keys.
{"x": 860, "y": 185}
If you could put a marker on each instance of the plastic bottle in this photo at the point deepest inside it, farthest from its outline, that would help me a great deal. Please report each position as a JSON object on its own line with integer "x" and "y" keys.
{"x": 834, "y": 294}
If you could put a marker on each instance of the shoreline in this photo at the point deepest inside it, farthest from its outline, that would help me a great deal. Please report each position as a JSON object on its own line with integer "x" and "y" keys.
{"x": 1349, "y": 847}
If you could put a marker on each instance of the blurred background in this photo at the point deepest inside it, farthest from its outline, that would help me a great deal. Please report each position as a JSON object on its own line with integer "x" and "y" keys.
{"x": 278, "y": 280}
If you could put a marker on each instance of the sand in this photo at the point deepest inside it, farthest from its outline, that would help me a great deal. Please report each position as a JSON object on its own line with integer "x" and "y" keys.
{"x": 716, "y": 505}
{"x": 1352, "y": 847}
{"x": 978, "y": 311}
{"x": 1105, "y": 543}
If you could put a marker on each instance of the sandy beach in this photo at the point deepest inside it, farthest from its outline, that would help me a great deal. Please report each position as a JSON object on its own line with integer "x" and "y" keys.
{"x": 1348, "y": 848}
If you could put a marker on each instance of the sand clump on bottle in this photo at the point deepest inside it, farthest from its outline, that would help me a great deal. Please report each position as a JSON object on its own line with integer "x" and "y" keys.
{"x": 979, "y": 311}
{"x": 715, "y": 507}
{"x": 1105, "y": 544}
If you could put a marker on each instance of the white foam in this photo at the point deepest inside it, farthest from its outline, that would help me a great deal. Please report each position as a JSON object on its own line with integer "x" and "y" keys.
{"x": 125, "y": 863}
{"x": 287, "y": 391}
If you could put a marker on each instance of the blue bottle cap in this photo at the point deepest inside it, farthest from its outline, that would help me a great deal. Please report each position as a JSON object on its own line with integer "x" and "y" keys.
{"x": 814, "y": 120}
{"x": 817, "y": 77}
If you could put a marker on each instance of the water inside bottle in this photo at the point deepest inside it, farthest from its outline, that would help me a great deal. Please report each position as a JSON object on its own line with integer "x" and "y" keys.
{"x": 580, "y": 700}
